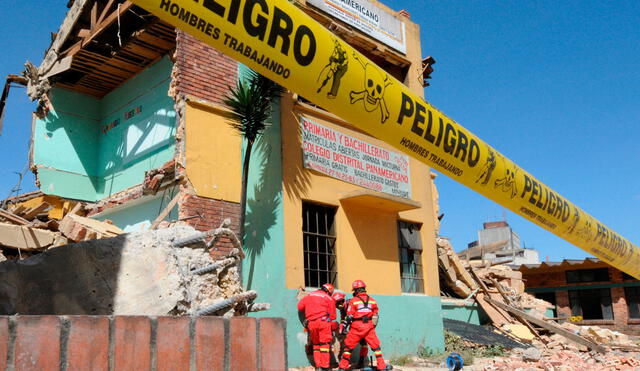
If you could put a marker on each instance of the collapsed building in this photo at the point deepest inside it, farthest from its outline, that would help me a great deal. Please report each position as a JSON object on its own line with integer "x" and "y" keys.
{"x": 131, "y": 124}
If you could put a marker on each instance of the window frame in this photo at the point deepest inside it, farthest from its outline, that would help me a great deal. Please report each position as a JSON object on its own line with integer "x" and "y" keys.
{"x": 590, "y": 293}
{"x": 581, "y": 275}
{"x": 415, "y": 278}
{"x": 632, "y": 291}
{"x": 325, "y": 236}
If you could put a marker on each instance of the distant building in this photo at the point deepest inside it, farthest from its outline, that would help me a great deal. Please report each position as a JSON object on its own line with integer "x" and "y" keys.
{"x": 588, "y": 290}
{"x": 496, "y": 243}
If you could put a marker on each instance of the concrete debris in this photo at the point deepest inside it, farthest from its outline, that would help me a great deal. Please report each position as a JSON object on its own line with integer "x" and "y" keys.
{"x": 531, "y": 354}
{"x": 31, "y": 223}
{"x": 26, "y": 238}
{"x": 78, "y": 228}
{"x": 499, "y": 291}
{"x": 155, "y": 178}
{"x": 131, "y": 274}
{"x": 560, "y": 360}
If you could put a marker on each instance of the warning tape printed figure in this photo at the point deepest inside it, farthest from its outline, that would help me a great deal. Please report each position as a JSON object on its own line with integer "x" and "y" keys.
{"x": 362, "y": 319}
{"x": 319, "y": 310}
{"x": 334, "y": 70}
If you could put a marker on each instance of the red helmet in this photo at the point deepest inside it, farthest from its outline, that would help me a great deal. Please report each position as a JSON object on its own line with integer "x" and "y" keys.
{"x": 338, "y": 296}
{"x": 328, "y": 288}
{"x": 358, "y": 284}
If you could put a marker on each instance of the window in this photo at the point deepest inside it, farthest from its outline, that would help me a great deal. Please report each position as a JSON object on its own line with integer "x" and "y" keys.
{"x": 591, "y": 304}
{"x": 319, "y": 235}
{"x": 633, "y": 301}
{"x": 588, "y": 275}
{"x": 411, "y": 278}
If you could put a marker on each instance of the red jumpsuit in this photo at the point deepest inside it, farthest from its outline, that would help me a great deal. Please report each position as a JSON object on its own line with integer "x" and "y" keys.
{"x": 362, "y": 308}
{"x": 320, "y": 311}
{"x": 364, "y": 349}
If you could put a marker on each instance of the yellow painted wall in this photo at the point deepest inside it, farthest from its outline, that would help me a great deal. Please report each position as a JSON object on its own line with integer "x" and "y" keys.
{"x": 367, "y": 241}
{"x": 212, "y": 144}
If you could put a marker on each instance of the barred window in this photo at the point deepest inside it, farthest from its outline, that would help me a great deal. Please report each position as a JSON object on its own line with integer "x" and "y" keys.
{"x": 410, "y": 250}
{"x": 319, "y": 235}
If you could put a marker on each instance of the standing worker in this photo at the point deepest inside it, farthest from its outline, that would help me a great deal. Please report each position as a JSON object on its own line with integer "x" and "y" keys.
{"x": 319, "y": 310}
{"x": 341, "y": 305}
{"x": 362, "y": 316}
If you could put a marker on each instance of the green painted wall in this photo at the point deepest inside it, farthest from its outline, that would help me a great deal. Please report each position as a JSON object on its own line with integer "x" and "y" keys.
{"x": 84, "y": 158}
{"x": 469, "y": 313}
{"x": 64, "y": 144}
{"x": 406, "y": 321}
{"x": 137, "y": 215}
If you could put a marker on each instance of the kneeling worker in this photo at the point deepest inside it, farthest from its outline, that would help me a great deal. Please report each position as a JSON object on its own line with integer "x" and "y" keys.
{"x": 362, "y": 315}
{"x": 319, "y": 310}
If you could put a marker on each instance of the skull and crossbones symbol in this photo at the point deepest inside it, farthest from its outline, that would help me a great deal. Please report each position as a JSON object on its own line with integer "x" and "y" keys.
{"x": 375, "y": 84}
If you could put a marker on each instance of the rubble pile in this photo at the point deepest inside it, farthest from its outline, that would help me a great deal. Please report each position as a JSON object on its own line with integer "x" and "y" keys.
{"x": 34, "y": 222}
{"x": 559, "y": 360}
{"x": 160, "y": 272}
{"x": 499, "y": 291}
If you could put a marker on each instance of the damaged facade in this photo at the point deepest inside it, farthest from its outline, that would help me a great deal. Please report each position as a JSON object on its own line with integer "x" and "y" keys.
{"x": 131, "y": 123}
{"x": 589, "y": 291}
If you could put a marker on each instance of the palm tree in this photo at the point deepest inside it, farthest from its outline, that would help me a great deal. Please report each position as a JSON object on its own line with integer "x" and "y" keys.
{"x": 251, "y": 103}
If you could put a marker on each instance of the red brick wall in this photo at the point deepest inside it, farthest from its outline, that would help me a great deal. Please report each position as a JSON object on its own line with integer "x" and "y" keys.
{"x": 202, "y": 71}
{"x": 620, "y": 321}
{"x": 141, "y": 343}
{"x": 205, "y": 214}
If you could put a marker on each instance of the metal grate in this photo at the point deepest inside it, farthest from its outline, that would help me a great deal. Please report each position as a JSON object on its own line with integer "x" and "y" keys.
{"x": 318, "y": 230}
{"x": 410, "y": 250}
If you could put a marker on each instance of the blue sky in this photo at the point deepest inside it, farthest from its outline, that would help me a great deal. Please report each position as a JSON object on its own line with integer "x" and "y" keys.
{"x": 553, "y": 85}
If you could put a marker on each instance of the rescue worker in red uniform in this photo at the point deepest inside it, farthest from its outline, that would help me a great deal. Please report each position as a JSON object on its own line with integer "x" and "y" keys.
{"x": 341, "y": 305}
{"x": 319, "y": 310}
{"x": 362, "y": 316}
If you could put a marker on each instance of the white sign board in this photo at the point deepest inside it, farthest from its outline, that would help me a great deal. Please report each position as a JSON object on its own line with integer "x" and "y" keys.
{"x": 368, "y": 18}
{"x": 354, "y": 161}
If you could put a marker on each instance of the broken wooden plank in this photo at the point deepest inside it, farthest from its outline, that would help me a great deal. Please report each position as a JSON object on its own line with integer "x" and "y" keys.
{"x": 509, "y": 302}
{"x": 26, "y": 238}
{"x": 112, "y": 17}
{"x": 165, "y": 212}
{"x": 548, "y": 326}
{"x": 461, "y": 272}
{"x": 78, "y": 228}
{"x": 497, "y": 316}
{"x": 18, "y": 210}
{"x": 12, "y": 217}
{"x": 443, "y": 258}
{"x": 36, "y": 210}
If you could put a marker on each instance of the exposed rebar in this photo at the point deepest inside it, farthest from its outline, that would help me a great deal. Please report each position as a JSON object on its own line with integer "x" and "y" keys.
{"x": 219, "y": 265}
{"x": 225, "y": 303}
{"x": 257, "y": 307}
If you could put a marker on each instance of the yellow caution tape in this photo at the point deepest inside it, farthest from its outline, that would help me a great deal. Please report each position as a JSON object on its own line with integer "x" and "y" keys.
{"x": 281, "y": 42}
